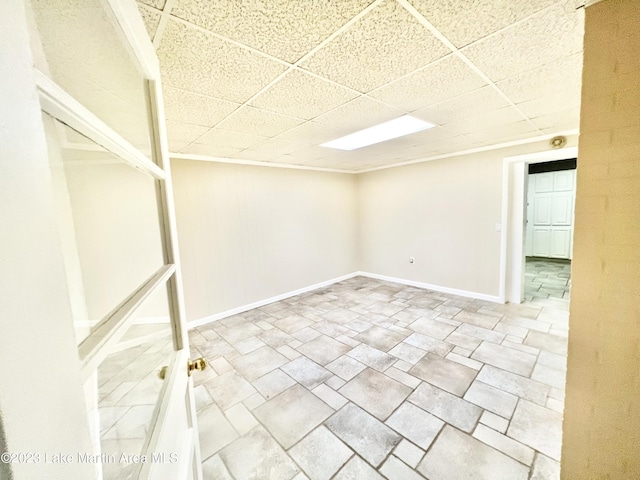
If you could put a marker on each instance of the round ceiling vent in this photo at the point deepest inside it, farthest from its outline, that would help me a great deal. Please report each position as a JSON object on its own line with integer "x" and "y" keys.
{"x": 558, "y": 142}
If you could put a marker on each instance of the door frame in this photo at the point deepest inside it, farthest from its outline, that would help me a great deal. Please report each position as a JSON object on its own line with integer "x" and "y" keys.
{"x": 512, "y": 237}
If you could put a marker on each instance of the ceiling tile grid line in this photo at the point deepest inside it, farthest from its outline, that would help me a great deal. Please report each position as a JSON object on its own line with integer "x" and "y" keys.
{"x": 327, "y": 71}
{"x": 289, "y": 65}
{"x": 164, "y": 19}
{"x": 411, "y": 9}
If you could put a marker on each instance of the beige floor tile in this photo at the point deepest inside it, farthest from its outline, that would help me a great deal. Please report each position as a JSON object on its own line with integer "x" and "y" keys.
{"x": 306, "y": 372}
{"x": 515, "y": 384}
{"x": 505, "y": 444}
{"x": 214, "y": 468}
{"x": 345, "y": 367}
{"x": 415, "y": 424}
{"x": 257, "y": 456}
{"x": 398, "y": 352}
{"x": 506, "y": 358}
{"x": 323, "y": 349}
{"x": 259, "y": 362}
{"x": 381, "y": 338}
{"x": 494, "y": 421}
{"x": 409, "y": 453}
{"x": 546, "y": 341}
{"x": 491, "y": 399}
{"x": 408, "y": 353}
{"x": 370, "y": 438}
{"x": 458, "y": 455}
{"x": 229, "y": 389}
{"x": 320, "y": 454}
{"x": 478, "y": 319}
{"x": 443, "y": 373}
{"x": 375, "y": 392}
{"x": 429, "y": 344}
{"x": 214, "y": 430}
{"x": 357, "y": 469}
{"x": 549, "y": 376}
{"x": 481, "y": 333}
{"x": 448, "y": 407}
{"x": 432, "y": 327}
{"x": 372, "y": 357}
{"x": 292, "y": 414}
{"x": 538, "y": 427}
{"x": 273, "y": 383}
{"x": 545, "y": 468}
{"x": 395, "y": 469}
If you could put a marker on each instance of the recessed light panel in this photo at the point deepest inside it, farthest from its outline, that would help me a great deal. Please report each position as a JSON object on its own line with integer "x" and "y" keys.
{"x": 398, "y": 127}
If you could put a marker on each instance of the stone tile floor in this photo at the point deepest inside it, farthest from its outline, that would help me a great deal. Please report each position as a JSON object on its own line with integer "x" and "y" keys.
{"x": 547, "y": 278}
{"x": 366, "y": 379}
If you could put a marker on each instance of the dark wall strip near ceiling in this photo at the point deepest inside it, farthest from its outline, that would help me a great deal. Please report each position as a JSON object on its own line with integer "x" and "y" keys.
{"x": 555, "y": 166}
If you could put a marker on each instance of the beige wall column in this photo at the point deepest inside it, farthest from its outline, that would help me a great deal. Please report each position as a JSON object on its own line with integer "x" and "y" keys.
{"x": 602, "y": 412}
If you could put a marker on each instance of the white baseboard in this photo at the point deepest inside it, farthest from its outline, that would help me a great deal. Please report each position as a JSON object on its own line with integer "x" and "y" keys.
{"x": 266, "y": 301}
{"x": 436, "y": 288}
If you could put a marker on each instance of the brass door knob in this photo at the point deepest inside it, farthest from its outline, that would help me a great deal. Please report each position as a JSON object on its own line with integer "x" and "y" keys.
{"x": 198, "y": 364}
{"x": 163, "y": 372}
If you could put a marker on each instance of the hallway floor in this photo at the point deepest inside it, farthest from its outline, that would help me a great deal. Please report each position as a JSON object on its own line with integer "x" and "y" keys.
{"x": 367, "y": 379}
{"x": 547, "y": 278}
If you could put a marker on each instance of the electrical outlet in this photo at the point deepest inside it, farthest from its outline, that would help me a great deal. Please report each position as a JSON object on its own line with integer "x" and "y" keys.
{"x": 412, "y": 260}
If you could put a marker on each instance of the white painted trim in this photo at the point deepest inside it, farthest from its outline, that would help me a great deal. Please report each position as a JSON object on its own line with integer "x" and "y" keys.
{"x": 135, "y": 37}
{"x": 435, "y": 288}
{"x": 206, "y": 158}
{"x": 138, "y": 321}
{"x": 59, "y": 104}
{"x": 510, "y": 263}
{"x": 459, "y": 153}
{"x": 261, "y": 303}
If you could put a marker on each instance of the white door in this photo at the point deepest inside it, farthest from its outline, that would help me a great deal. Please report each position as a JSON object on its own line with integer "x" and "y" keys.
{"x": 550, "y": 200}
{"x": 103, "y": 208}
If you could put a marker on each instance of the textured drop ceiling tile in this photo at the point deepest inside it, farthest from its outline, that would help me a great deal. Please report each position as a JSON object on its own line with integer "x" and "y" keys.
{"x": 201, "y": 63}
{"x": 495, "y": 118}
{"x": 190, "y": 107}
{"x": 150, "y": 17}
{"x": 285, "y": 29}
{"x": 224, "y": 138}
{"x": 383, "y": 45}
{"x": 457, "y": 109}
{"x": 562, "y": 120}
{"x": 255, "y": 121}
{"x": 159, "y": 4}
{"x": 311, "y": 133}
{"x": 441, "y": 81}
{"x": 360, "y": 113}
{"x": 465, "y": 21}
{"x": 181, "y": 132}
{"x": 563, "y": 74}
{"x": 551, "y": 104}
{"x": 313, "y": 153}
{"x": 301, "y": 95}
{"x": 278, "y": 147}
{"x": 255, "y": 155}
{"x": 547, "y": 36}
{"x": 210, "y": 150}
{"x": 505, "y": 133}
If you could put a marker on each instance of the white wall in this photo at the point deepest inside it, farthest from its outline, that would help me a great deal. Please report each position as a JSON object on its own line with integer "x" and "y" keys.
{"x": 248, "y": 233}
{"x": 443, "y": 213}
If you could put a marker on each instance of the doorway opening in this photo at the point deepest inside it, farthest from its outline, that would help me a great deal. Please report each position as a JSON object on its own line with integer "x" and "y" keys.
{"x": 549, "y": 213}
{"x": 514, "y": 219}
